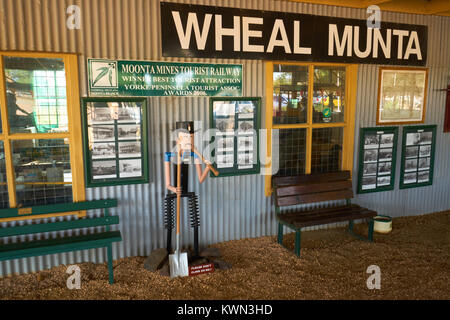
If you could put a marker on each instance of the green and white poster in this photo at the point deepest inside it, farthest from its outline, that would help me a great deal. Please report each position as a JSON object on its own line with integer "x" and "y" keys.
{"x": 158, "y": 78}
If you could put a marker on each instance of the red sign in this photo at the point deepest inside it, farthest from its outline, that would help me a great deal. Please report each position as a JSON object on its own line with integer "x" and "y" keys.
{"x": 201, "y": 269}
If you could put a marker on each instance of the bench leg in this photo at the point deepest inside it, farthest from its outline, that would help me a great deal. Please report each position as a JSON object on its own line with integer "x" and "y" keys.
{"x": 297, "y": 241}
{"x": 280, "y": 233}
{"x": 110, "y": 264}
{"x": 370, "y": 235}
{"x": 350, "y": 225}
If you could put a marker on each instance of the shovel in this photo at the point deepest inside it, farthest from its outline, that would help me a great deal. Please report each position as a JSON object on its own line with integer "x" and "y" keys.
{"x": 178, "y": 262}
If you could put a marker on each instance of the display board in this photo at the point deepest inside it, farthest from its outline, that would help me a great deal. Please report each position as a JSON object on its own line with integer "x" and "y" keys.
{"x": 377, "y": 158}
{"x": 115, "y": 141}
{"x": 417, "y": 156}
{"x": 235, "y": 141}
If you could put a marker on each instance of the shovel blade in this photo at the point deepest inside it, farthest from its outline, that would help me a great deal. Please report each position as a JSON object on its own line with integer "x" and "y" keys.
{"x": 178, "y": 263}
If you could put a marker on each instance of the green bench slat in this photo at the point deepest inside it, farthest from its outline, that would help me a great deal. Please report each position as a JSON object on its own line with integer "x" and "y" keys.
{"x": 61, "y": 207}
{"x": 58, "y": 226}
{"x": 52, "y": 246}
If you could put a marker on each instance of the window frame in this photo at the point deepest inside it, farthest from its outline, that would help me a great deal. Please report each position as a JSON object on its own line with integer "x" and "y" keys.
{"x": 348, "y": 125}
{"x": 73, "y": 135}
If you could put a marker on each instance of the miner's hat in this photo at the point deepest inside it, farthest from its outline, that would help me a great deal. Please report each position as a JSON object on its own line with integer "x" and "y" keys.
{"x": 186, "y": 125}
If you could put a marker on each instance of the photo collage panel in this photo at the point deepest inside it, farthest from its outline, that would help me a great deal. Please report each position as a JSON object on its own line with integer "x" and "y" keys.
{"x": 377, "y": 158}
{"x": 114, "y": 133}
{"x": 417, "y": 157}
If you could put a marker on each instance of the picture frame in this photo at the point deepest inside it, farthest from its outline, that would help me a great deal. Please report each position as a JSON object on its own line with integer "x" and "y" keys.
{"x": 418, "y": 149}
{"x": 377, "y": 159}
{"x": 402, "y": 95}
{"x": 235, "y": 143}
{"x": 115, "y": 141}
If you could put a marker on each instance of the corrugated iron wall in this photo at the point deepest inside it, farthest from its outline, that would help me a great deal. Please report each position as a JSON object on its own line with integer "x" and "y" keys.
{"x": 231, "y": 207}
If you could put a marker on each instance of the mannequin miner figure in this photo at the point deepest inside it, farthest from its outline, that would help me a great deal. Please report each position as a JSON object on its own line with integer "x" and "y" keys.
{"x": 185, "y": 141}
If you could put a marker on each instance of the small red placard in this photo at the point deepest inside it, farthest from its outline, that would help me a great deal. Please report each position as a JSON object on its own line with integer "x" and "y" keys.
{"x": 201, "y": 269}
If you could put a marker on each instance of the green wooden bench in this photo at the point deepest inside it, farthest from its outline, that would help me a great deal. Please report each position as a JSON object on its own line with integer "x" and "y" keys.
{"x": 309, "y": 188}
{"x": 26, "y": 249}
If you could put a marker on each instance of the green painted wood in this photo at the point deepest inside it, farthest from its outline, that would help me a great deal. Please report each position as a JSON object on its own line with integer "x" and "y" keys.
{"x": 59, "y": 226}
{"x": 52, "y": 246}
{"x": 280, "y": 233}
{"x": 60, "y": 208}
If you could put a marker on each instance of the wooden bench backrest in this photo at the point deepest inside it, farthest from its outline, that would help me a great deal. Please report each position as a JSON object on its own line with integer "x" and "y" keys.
{"x": 309, "y": 188}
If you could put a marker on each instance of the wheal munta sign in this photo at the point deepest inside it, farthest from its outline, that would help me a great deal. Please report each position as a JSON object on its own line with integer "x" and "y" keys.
{"x": 158, "y": 78}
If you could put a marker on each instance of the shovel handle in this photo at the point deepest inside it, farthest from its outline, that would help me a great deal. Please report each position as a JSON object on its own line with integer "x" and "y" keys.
{"x": 178, "y": 185}
{"x": 214, "y": 171}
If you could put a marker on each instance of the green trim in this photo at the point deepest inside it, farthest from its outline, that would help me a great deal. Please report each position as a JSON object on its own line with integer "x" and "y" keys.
{"x": 59, "y": 208}
{"x": 363, "y": 133}
{"x": 144, "y": 178}
{"x": 235, "y": 171}
{"x": 413, "y": 129}
{"x": 58, "y": 226}
{"x": 51, "y": 246}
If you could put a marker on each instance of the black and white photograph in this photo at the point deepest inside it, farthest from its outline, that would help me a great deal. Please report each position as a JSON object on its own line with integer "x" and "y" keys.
{"x": 101, "y": 114}
{"x": 103, "y": 150}
{"x": 224, "y": 109}
{"x": 385, "y": 155}
{"x": 225, "y": 124}
{"x": 104, "y": 169}
{"x": 384, "y": 168}
{"x": 387, "y": 140}
{"x": 128, "y": 112}
{"x": 411, "y": 152}
{"x": 225, "y": 144}
{"x": 129, "y": 132}
{"x": 245, "y": 127}
{"x": 410, "y": 165}
{"x": 423, "y": 176}
{"x": 383, "y": 181}
{"x": 371, "y": 141}
{"x": 370, "y": 169}
{"x": 102, "y": 133}
{"x": 245, "y": 143}
{"x": 370, "y": 155}
{"x": 425, "y": 151}
{"x": 369, "y": 182}
{"x": 245, "y": 158}
{"x": 246, "y": 110}
{"x": 410, "y": 178}
{"x": 130, "y": 168}
{"x": 412, "y": 139}
{"x": 424, "y": 163}
{"x": 426, "y": 137}
{"x": 130, "y": 149}
{"x": 225, "y": 160}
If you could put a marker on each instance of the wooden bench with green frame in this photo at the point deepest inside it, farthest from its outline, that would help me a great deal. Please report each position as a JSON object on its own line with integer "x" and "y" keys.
{"x": 309, "y": 188}
{"x": 95, "y": 240}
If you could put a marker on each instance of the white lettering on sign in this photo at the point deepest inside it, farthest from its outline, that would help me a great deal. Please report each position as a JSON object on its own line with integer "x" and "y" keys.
{"x": 235, "y": 32}
{"x": 192, "y": 23}
{"x": 247, "y": 34}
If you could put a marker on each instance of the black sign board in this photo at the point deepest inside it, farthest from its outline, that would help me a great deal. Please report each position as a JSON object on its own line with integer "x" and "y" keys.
{"x": 220, "y": 32}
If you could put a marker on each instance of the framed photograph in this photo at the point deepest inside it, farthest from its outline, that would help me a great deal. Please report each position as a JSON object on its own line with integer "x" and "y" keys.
{"x": 402, "y": 95}
{"x": 417, "y": 156}
{"x": 115, "y": 148}
{"x": 235, "y": 140}
{"x": 377, "y": 156}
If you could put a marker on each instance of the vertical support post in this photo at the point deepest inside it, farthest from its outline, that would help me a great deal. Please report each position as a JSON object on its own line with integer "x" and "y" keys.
{"x": 350, "y": 225}
{"x": 110, "y": 264}
{"x": 280, "y": 233}
{"x": 297, "y": 241}
{"x": 370, "y": 236}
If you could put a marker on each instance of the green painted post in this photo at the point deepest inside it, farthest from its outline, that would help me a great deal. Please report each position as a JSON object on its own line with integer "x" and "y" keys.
{"x": 297, "y": 242}
{"x": 110, "y": 264}
{"x": 350, "y": 225}
{"x": 370, "y": 237}
{"x": 280, "y": 233}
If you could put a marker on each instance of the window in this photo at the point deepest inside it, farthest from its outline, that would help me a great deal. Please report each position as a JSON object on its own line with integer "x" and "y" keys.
{"x": 312, "y": 106}
{"x": 40, "y": 146}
